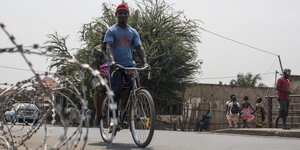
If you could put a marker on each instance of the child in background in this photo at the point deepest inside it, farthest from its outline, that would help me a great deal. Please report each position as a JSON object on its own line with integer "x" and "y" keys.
{"x": 232, "y": 109}
{"x": 246, "y": 113}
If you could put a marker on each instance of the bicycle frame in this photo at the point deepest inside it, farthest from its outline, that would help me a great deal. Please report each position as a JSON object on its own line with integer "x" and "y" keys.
{"x": 141, "y": 122}
{"x": 132, "y": 92}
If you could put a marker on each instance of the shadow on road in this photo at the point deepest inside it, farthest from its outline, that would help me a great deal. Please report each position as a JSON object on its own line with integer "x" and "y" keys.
{"x": 119, "y": 146}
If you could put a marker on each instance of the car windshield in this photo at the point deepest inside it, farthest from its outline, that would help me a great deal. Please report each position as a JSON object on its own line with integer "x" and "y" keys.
{"x": 28, "y": 107}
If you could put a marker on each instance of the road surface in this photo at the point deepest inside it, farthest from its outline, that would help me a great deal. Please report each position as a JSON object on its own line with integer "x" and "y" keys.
{"x": 173, "y": 140}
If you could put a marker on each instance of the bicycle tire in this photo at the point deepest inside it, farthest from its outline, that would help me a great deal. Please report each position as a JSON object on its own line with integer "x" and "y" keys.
{"x": 106, "y": 121}
{"x": 142, "y": 119}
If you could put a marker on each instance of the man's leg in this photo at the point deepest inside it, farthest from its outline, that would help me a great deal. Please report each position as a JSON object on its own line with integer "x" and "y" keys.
{"x": 116, "y": 86}
{"x": 287, "y": 107}
{"x": 286, "y": 112}
{"x": 127, "y": 89}
{"x": 281, "y": 112}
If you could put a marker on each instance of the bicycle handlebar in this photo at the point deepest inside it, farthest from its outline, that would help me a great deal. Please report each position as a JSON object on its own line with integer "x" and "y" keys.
{"x": 134, "y": 68}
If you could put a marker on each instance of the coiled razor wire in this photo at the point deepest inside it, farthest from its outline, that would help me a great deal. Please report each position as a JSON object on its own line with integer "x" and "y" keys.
{"x": 14, "y": 137}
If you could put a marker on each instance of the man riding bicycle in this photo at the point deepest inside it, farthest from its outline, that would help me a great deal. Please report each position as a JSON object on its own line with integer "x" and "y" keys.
{"x": 120, "y": 39}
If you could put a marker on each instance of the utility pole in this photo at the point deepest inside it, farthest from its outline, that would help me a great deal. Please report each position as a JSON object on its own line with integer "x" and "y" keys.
{"x": 280, "y": 63}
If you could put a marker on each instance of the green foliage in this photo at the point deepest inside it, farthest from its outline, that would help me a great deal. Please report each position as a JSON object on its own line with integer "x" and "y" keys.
{"x": 58, "y": 46}
{"x": 248, "y": 80}
{"x": 169, "y": 39}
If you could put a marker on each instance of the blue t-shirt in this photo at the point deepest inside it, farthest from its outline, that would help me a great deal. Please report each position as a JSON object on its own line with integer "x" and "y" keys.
{"x": 124, "y": 40}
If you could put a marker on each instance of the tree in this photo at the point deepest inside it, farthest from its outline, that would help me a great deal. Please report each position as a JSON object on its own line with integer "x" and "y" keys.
{"x": 169, "y": 39}
{"x": 247, "y": 80}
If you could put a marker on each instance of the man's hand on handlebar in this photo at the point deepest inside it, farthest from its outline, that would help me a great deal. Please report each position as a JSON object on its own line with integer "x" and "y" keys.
{"x": 113, "y": 66}
{"x": 146, "y": 65}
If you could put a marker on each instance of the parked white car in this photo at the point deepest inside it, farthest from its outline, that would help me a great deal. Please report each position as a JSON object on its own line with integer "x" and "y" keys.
{"x": 22, "y": 112}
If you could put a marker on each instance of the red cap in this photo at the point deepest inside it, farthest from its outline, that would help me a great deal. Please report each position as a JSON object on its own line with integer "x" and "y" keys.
{"x": 122, "y": 6}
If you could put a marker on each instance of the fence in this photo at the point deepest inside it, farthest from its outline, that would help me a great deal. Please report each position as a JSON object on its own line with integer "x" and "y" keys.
{"x": 192, "y": 115}
{"x": 190, "y": 118}
{"x": 293, "y": 119}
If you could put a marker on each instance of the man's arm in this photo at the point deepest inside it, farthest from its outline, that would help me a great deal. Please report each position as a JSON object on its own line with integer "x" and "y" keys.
{"x": 141, "y": 53}
{"x": 283, "y": 90}
{"x": 109, "y": 51}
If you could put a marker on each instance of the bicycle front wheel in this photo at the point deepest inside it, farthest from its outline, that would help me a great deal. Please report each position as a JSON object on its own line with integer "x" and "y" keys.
{"x": 142, "y": 118}
{"x": 108, "y": 120}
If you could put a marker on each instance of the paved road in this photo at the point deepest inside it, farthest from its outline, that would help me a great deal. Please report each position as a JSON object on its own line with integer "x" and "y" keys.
{"x": 169, "y": 140}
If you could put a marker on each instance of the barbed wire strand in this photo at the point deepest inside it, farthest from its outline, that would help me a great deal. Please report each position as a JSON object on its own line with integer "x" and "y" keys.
{"x": 41, "y": 89}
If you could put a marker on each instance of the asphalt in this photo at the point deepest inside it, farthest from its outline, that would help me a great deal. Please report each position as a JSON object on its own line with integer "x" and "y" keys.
{"x": 162, "y": 140}
{"x": 262, "y": 132}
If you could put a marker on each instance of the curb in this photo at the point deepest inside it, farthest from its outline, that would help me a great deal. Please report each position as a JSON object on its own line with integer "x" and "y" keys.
{"x": 262, "y": 132}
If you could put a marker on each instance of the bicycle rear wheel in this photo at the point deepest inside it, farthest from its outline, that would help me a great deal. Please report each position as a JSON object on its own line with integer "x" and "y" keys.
{"x": 142, "y": 118}
{"x": 108, "y": 120}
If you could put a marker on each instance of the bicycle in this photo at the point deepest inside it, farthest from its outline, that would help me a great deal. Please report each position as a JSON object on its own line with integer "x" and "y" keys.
{"x": 139, "y": 109}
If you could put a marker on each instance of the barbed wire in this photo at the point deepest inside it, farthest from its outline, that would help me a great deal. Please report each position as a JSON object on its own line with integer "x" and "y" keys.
{"x": 40, "y": 93}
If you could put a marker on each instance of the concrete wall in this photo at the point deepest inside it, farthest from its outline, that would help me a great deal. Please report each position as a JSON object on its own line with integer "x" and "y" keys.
{"x": 201, "y": 97}
{"x": 295, "y": 84}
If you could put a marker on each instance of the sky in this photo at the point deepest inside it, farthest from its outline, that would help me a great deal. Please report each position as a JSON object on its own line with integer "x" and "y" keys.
{"x": 271, "y": 25}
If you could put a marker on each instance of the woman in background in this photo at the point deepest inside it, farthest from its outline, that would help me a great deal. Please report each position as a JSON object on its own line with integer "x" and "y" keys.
{"x": 259, "y": 113}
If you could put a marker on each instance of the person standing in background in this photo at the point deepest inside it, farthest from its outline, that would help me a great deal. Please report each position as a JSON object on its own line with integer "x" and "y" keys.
{"x": 283, "y": 92}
